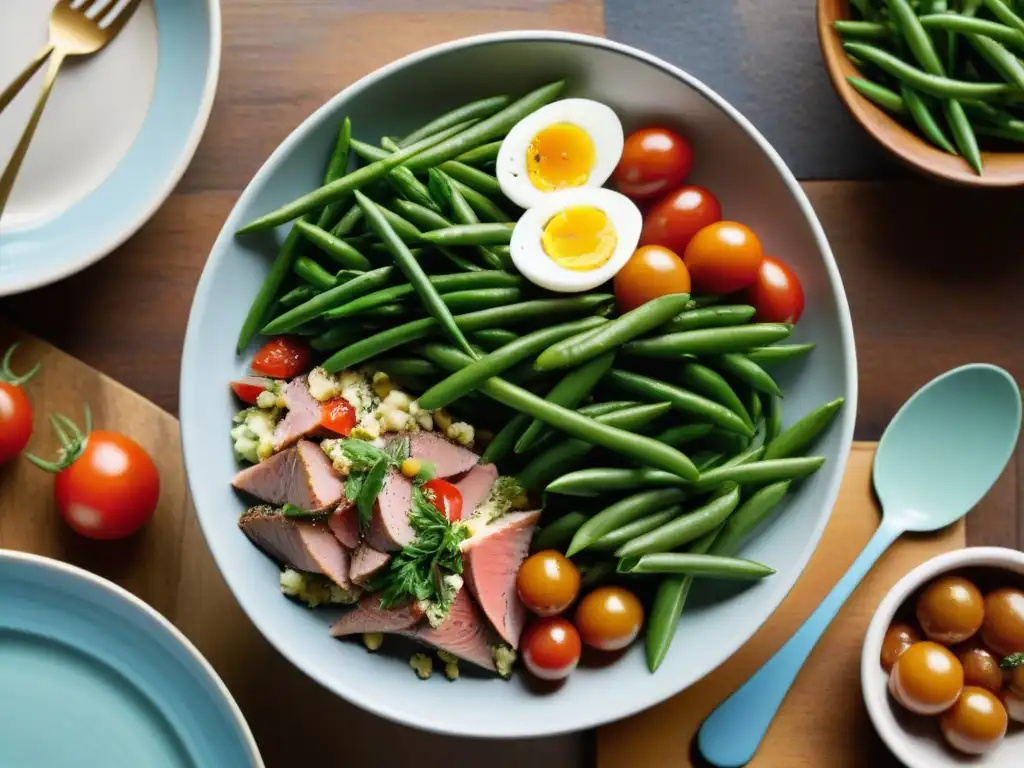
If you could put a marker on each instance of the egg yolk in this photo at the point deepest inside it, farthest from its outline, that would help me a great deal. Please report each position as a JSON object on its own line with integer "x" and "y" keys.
{"x": 580, "y": 238}
{"x": 561, "y": 155}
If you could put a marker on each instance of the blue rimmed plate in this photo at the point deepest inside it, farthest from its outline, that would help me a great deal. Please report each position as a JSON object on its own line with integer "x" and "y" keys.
{"x": 92, "y": 676}
{"x": 117, "y": 134}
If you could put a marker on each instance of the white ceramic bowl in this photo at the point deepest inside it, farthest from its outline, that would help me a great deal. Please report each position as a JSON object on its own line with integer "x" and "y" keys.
{"x": 916, "y": 740}
{"x": 754, "y": 186}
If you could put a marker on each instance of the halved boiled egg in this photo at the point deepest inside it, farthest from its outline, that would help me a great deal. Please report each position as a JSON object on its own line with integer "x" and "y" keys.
{"x": 576, "y": 239}
{"x": 566, "y": 144}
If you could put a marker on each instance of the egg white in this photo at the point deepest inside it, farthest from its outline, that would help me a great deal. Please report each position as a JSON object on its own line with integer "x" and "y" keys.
{"x": 536, "y": 266}
{"x": 597, "y": 120}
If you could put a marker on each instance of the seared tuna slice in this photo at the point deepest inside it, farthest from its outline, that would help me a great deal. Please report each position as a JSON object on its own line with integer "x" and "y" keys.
{"x": 300, "y": 544}
{"x": 475, "y": 487}
{"x": 303, "y": 418}
{"x": 447, "y": 457}
{"x": 301, "y": 475}
{"x": 368, "y": 616}
{"x": 464, "y": 633}
{"x": 389, "y": 528}
{"x": 344, "y": 522}
{"x": 367, "y": 562}
{"x": 491, "y": 558}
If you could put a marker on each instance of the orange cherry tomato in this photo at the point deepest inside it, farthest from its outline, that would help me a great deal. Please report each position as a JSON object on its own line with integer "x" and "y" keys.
{"x": 981, "y": 669}
{"x": 651, "y": 271}
{"x": 338, "y": 415}
{"x": 723, "y": 257}
{"x": 776, "y": 294}
{"x": 1013, "y": 693}
{"x": 551, "y": 648}
{"x": 976, "y": 722}
{"x": 282, "y": 358}
{"x": 609, "y": 618}
{"x": 446, "y": 498}
{"x": 548, "y": 582}
{"x": 654, "y": 160}
{"x": 1003, "y": 629}
{"x": 927, "y": 678}
{"x": 950, "y": 610}
{"x": 677, "y": 217}
{"x": 898, "y": 637}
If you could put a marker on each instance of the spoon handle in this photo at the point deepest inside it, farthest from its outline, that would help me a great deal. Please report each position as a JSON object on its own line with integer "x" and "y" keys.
{"x": 732, "y": 733}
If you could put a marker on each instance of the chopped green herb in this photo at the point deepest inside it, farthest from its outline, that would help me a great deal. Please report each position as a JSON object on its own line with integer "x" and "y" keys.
{"x": 427, "y": 473}
{"x": 373, "y": 483}
{"x": 369, "y": 468}
{"x": 1013, "y": 661}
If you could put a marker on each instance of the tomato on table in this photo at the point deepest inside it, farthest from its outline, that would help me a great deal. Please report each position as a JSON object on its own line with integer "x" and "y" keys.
{"x": 338, "y": 415}
{"x": 651, "y": 271}
{"x": 776, "y": 294}
{"x": 654, "y": 160}
{"x": 548, "y": 582}
{"x": 609, "y": 618}
{"x": 551, "y": 648}
{"x": 282, "y": 358}
{"x": 677, "y": 217}
{"x": 724, "y": 257}
{"x": 446, "y": 498}
{"x": 15, "y": 409}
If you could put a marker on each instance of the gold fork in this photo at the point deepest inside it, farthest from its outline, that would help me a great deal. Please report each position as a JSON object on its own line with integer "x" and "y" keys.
{"x": 72, "y": 33}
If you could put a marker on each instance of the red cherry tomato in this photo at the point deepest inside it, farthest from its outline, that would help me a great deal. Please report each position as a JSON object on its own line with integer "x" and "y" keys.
{"x": 651, "y": 271}
{"x": 15, "y": 409}
{"x": 338, "y": 415}
{"x": 677, "y": 217}
{"x": 551, "y": 648}
{"x": 447, "y": 499}
{"x": 282, "y": 358}
{"x": 248, "y": 388}
{"x": 776, "y": 293}
{"x": 723, "y": 257}
{"x": 654, "y": 160}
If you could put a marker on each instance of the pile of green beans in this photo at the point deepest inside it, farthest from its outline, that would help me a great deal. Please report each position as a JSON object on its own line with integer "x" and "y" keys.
{"x": 949, "y": 67}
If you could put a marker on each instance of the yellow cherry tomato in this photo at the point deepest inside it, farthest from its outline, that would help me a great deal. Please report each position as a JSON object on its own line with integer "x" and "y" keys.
{"x": 1003, "y": 630}
{"x": 975, "y": 723}
{"x": 609, "y": 618}
{"x": 950, "y": 610}
{"x": 548, "y": 582}
{"x": 898, "y": 637}
{"x": 927, "y": 678}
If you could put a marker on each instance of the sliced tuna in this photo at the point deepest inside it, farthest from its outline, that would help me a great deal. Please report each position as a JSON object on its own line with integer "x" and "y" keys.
{"x": 344, "y": 522}
{"x": 367, "y": 562}
{"x": 475, "y": 487}
{"x": 301, "y": 475}
{"x": 389, "y": 528}
{"x": 491, "y": 559}
{"x": 300, "y": 544}
{"x": 448, "y": 458}
{"x": 463, "y": 633}
{"x": 368, "y": 616}
{"x": 303, "y": 418}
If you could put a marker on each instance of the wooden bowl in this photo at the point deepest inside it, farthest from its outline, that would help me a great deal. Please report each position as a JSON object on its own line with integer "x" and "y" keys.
{"x": 1001, "y": 169}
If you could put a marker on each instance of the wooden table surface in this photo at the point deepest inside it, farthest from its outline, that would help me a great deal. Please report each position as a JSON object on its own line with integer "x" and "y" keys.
{"x": 934, "y": 274}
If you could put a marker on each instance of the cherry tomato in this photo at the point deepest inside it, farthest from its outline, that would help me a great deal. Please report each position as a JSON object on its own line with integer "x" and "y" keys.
{"x": 651, "y": 271}
{"x": 1003, "y": 630}
{"x": 898, "y": 637}
{"x": 950, "y": 610}
{"x": 609, "y": 618}
{"x": 249, "y": 388}
{"x": 723, "y": 257}
{"x": 338, "y": 415}
{"x": 677, "y": 217}
{"x": 654, "y": 160}
{"x": 551, "y": 648}
{"x": 548, "y": 582}
{"x": 446, "y": 498}
{"x": 15, "y": 409}
{"x": 927, "y": 678}
{"x": 776, "y": 294}
{"x": 981, "y": 669}
{"x": 975, "y": 723}
{"x": 1013, "y": 694}
{"x": 282, "y": 358}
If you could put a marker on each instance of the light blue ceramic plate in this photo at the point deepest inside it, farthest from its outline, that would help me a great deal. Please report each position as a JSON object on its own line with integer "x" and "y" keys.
{"x": 117, "y": 134}
{"x": 92, "y": 676}
{"x": 755, "y": 187}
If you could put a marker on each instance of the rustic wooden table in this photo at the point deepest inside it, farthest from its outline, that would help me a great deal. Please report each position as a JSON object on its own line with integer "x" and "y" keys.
{"x": 934, "y": 274}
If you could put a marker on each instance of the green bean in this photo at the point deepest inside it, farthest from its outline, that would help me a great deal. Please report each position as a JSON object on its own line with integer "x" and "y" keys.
{"x": 336, "y": 168}
{"x": 475, "y": 110}
{"x": 343, "y": 253}
{"x": 347, "y": 224}
{"x": 777, "y": 353}
{"x": 925, "y": 120}
{"x": 753, "y": 405}
{"x": 886, "y": 99}
{"x": 420, "y": 216}
{"x": 505, "y": 439}
{"x": 685, "y": 528}
{"x": 482, "y": 155}
{"x": 708, "y": 341}
{"x": 620, "y": 513}
{"x": 865, "y": 9}
{"x": 963, "y": 134}
{"x": 577, "y": 349}
{"x": 314, "y": 274}
{"x": 475, "y": 299}
{"x": 802, "y": 433}
{"x": 471, "y": 234}
{"x": 697, "y": 302}
{"x": 749, "y": 515}
{"x": 483, "y": 206}
{"x": 862, "y": 30}
{"x": 773, "y": 419}
{"x": 593, "y": 410}
{"x": 955, "y": 22}
{"x": 999, "y": 58}
{"x": 343, "y": 187}
{"x": 710, "y": 317}
{"x": 368, "y": 152}
{"x": 689, "y": 564}
{"x": 712, "y": 385}
{"x": 615, "y": 539}
{"x": 683, "y": 434}
{"x": 563, "y": 456}
{"x": 1006, "y": 133}
{"x": 443, "y": 188}
{"x": 494, "y": 338}
{"x": 481, "y": 181}
{"x": 557, "y": 533}
{"x": 1005, "y": 14}
{"x": 298, "y": 295}
{"x": 469, "y": 378}
{"x": 915, "y": 36}
{"x": 942, "y": 87}
{"x": 767, "y": 470}
{"x": 705, "y": 460}
{"x": 263, "y": 304}
{"x": 750, "y": 373}
{"x": 408, "y": 186}
{"x": 405, "y": 230}
{"x": 338, "y": 336}
{"x": 681, "y": 399}
{"x": 488, "y": 129}
{"x": 618, "y": 441}
{"x": 405, "y": 367}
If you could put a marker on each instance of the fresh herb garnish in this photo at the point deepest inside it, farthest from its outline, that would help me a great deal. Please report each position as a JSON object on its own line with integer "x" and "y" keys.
{"x": 290, "y": 510}
{"x": 427, "y": 473}
{"x": 369, "y": 468}
{"x": 1012, "y": 661}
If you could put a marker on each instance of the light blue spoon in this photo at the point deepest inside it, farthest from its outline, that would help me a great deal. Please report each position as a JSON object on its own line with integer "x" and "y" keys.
{"x": 939, "y": 456}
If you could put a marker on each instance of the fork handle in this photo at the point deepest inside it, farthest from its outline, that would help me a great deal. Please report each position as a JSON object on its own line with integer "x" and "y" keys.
{"x": 14, "y": 164}
{"x": 19, "y": 82}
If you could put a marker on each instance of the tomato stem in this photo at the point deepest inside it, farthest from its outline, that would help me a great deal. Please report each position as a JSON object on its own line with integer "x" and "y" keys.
{"x": 8, "y": 375}
{"x": 72, "y": 441}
